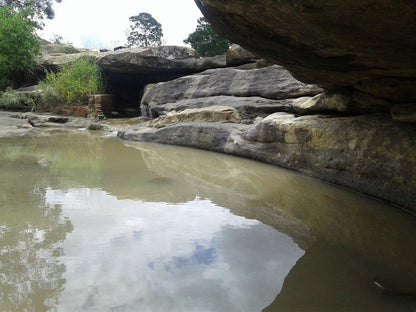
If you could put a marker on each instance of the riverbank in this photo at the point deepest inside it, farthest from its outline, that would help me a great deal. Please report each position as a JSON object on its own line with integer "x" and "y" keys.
{"x": 22, "y": 123}
{"x": 369, "y": 154}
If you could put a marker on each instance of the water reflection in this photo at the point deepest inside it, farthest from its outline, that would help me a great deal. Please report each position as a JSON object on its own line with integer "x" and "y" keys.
{"x": 31, "y": 233}
{"x": 193, "y": 256}
{"x": 110, "y": 224}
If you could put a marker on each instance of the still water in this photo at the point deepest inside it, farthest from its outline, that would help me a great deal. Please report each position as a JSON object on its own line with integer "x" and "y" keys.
{"x": 92, "y": 223}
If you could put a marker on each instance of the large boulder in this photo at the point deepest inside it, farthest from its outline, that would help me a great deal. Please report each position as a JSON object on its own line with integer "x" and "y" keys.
{"x": 161, "y": 59}
{"x": 366, "y": 45}
{"x": 150, "y": 60}
{"x": 265, "y": 90}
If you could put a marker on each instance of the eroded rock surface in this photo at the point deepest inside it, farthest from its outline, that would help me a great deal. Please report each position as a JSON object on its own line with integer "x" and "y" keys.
{"x": 254, "y": 92}
{"x": 363, "y": 45}
{"x": 328, "y": 135}
{"x": 152, "y": 60}
{"x": 368, "y": 153}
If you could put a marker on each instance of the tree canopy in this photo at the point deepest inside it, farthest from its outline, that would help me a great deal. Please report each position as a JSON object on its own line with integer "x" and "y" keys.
{"x": 18, "y": 44}
{"x": 41, "y": 8}
{"x": 144, "y": 31}
{"x": 206, "y": 41}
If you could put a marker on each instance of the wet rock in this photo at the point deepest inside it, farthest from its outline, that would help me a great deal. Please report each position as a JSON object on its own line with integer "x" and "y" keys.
{"x": 55, "y": 121}
{"x": 43, "y": 162}
{"x": 12, "y": 124}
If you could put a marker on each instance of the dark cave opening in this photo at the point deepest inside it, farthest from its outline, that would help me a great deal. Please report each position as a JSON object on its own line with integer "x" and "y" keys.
{"x": 129, "y": 88}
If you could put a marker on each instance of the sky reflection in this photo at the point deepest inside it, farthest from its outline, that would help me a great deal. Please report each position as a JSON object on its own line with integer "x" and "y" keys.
{"x": 193, "y": 256}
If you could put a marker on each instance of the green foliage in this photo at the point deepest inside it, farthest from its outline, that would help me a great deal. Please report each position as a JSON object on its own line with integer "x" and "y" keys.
{"x": 41, "y": 8}
{"x": 72, "y": 85}
{"x": 13, "y": 100}
{"x": 206, "y": 41}
{"x": 18, "y": 44}
{"x": 145, "y": 31}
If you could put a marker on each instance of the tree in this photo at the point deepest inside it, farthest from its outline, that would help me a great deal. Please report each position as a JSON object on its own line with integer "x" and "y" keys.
{"x": 206, "y": 41}
{"x": 41, "y": 8}
{"x": 18, "y": 44}
{"x": 145, "y": 31}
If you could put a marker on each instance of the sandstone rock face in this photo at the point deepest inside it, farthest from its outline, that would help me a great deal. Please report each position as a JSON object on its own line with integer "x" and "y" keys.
{"x": 339, "y": 139}
{"x": 56, "y": 61}
{"x": 365, "y": 45}
{"x": 237, "y": 55}
{"x": 249, "y": 108}
{"x": 152, "y": 60}
{"x": 206, "y": 114}
{"x": 368, "y": 153}
{"x": 271, "y": 88}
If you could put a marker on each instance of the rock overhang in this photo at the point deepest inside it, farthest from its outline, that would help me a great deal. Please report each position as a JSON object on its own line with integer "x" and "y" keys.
{"x": 368, "y": 46}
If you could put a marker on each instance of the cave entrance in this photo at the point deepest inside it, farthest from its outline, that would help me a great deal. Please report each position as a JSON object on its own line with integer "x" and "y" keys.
{"x": 128, "y": 89}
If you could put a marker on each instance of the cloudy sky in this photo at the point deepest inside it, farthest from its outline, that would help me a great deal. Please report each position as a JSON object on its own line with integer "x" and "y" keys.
{"x": 103, "y": 24}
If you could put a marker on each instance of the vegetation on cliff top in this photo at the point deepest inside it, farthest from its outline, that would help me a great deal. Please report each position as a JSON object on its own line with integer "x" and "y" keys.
{"x": 206, "y": 41}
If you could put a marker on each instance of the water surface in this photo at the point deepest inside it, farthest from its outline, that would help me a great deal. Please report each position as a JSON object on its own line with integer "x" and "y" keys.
{"x": 107, "y": 225}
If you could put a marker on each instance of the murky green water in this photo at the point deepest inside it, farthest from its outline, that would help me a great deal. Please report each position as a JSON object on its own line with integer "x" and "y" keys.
{"x": 116, "y": 226}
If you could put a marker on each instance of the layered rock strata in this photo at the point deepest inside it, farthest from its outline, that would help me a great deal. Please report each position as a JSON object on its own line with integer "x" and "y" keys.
{"x": 267, "y": 115}
{"x": 352, "y": 46}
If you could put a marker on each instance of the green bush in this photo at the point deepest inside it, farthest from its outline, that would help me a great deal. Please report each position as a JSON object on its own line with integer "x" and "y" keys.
{"x": 12, "y": 100}
{"x": 18, "y": 44}
{"x": 72, "y": 85}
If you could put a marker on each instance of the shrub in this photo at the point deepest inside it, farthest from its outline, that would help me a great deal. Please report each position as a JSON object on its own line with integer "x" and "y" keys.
{"x": 72, "y": 85}
{"x": 12, "y": 100}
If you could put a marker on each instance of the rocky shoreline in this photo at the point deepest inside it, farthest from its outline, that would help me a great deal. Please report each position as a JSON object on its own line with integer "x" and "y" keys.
{"x": 368, "y": 154}
{"x": 267, "y": 115}
{"x": 247, "y": 107}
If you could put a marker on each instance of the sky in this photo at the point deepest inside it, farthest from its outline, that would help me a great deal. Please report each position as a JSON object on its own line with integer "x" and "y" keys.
{"x": 98, "y": 24}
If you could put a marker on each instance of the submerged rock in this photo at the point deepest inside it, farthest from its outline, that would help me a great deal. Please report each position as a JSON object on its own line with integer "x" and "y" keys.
{"x": 43, "y": 162}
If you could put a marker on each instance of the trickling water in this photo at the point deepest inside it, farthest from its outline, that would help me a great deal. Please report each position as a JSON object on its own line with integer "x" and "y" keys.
{"x": 115, "y": 226}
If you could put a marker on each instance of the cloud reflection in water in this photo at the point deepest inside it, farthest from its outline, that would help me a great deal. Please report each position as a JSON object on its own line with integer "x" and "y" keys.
{"x": 147, "y": 256}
